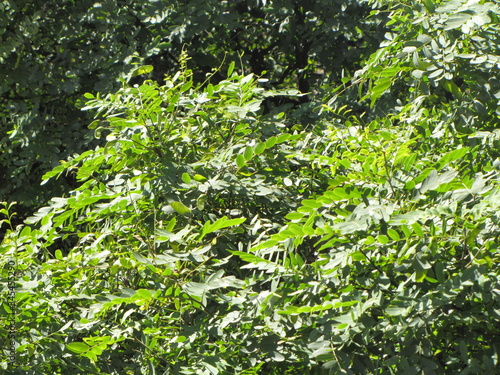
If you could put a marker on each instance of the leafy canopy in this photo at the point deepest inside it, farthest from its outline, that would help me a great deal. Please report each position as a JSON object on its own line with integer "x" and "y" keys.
{"x": 208, "y": 236}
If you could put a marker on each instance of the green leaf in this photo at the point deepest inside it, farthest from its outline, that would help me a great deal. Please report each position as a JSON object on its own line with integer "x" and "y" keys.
{"x": 381, "y": 86}
{"x": 199, "y": 177}
{"x": 260, "y": 148}
{"x": 180, "y": 208}
{"x": 142, "y": 70}
{"x": 420, "y": 275}
{"x": 240, "y": 161}
{"x": 393, "y": 234}
{"x": 54, "y": 172}
{"x": 311, "y": 203}
{"x": 430, "y": 6}
{"x": 144, "y": 294}
{"x": 186, "y": 86}
{"x": 221, "y": 223}
{"x": 271, "y": 142}
{"x": 171, "y": 225}
{"x": 451, "y": 87}
{"x": 452, "y": 156}
{"x": 78, "y": 347}
{"x": 383, "y": 239}
{"x": 264, "y": 245}
{"x": 26, "y": 232}
{"x": 418, "y": 229}
{"x": 248, "y": 154}
{"x": 283, "y": 137}
{"x": 230, "y": 69}
{"x": 294, "y": 216}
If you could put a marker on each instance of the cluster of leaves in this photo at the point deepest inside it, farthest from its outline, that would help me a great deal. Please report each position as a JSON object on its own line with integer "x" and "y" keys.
{"x": 147, "y": 229}
{"x": 207, "y": 236}
{"x": 51, "y": 54}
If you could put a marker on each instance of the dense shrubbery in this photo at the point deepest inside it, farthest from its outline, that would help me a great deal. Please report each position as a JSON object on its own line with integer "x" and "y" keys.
{"x": 206, "y": 235}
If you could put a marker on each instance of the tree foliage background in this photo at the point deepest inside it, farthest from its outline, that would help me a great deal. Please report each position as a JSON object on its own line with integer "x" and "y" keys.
{"x": 213, "y": 219}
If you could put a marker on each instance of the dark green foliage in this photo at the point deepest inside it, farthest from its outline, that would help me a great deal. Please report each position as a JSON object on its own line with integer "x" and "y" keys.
{"x": 50, "y": 55}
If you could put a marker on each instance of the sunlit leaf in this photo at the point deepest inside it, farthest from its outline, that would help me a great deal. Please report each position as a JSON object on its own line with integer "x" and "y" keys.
{"x": 180, "y": 208}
